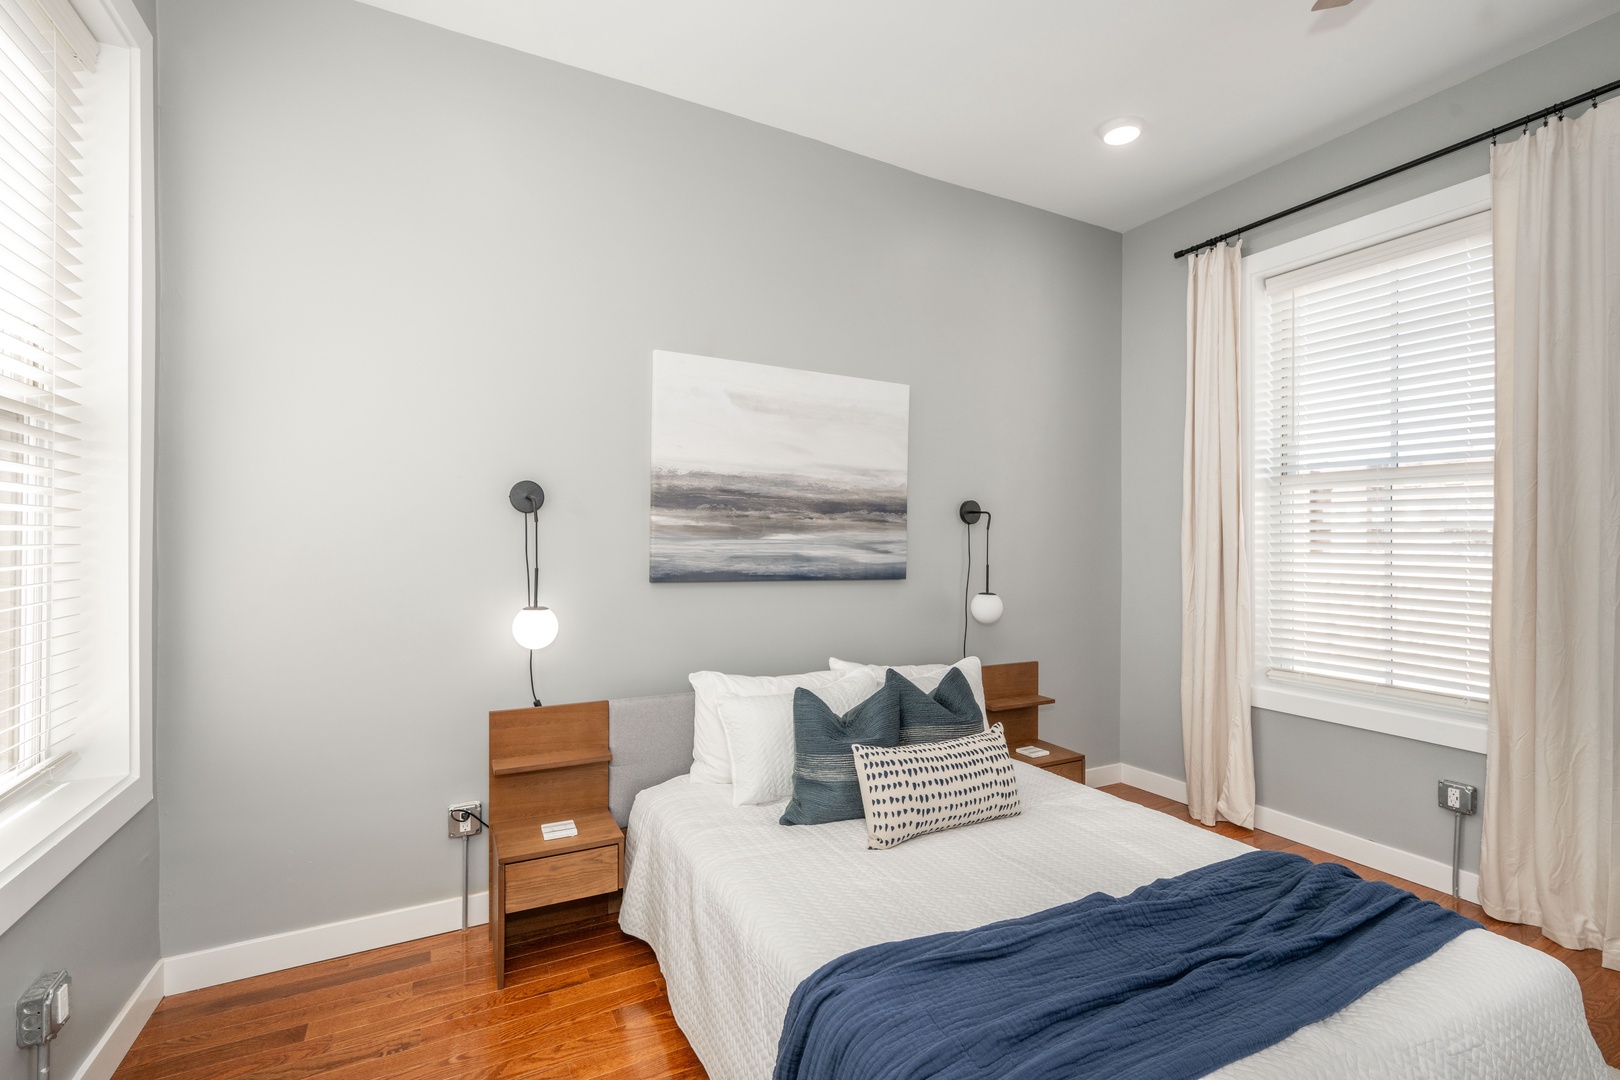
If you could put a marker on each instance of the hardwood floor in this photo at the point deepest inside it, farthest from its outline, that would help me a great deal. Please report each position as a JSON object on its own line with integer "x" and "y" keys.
{"x": 587, "y": 1001}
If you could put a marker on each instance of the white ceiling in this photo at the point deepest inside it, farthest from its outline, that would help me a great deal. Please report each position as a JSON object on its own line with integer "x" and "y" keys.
{"x": 1005, "y": 96}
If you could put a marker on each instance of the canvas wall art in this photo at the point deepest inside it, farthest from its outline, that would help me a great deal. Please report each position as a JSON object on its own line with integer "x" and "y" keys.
{"x": 764, "y": 473}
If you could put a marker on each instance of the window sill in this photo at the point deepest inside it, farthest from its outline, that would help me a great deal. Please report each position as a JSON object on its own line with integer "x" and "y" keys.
{"x": 1438, "y": 726}
{"x": 47, "y": 832}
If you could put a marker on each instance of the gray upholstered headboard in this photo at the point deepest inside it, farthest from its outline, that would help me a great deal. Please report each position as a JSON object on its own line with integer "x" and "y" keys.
{"x": 651, "y": 740}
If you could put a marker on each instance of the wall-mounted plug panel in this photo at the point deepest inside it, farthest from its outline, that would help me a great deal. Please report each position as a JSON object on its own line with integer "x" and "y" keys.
{"x": 43, "y": 1009}
{"x": 1459, "y": 798}
{"x": 464, "y": 820}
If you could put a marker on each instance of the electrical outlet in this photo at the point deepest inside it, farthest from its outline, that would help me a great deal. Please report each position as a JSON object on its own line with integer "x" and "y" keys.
{"x": 1459, "y": 798}
{"x": 462, "y": 821}
{"x": 43, "y": 1009}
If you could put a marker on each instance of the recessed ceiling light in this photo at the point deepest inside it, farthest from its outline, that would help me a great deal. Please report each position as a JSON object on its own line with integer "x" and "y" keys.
{"x": 1119, "y": 132}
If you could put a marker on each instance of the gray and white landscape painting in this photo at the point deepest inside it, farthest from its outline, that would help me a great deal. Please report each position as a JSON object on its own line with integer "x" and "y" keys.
{"x": 765, "y": 473}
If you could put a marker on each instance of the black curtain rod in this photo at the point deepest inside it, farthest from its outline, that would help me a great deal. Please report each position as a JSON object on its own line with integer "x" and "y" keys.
{"x": 1522, "y": 122}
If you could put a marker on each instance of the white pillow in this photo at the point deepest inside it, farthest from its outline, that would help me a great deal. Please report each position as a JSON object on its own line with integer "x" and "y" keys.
{"x": 711, "y": 761}
{"x": 928, "y": 676}
{"x": 910, "y": 790}
{"x": 759, "y": 733}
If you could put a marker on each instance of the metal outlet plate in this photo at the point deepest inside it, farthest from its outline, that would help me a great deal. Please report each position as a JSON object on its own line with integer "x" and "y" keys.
{"x": 471, "y": 826}
{"x": 43, "y": 1009}
{"x": 1458, "y": 797}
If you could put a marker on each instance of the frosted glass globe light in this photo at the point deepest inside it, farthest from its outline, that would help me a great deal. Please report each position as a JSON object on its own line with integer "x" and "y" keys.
{"x": 535, "y": 627}
{"x": 986, "y": 608}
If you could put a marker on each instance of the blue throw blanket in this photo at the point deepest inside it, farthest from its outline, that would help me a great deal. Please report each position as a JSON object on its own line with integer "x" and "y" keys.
{"x": 1175, "y": 980}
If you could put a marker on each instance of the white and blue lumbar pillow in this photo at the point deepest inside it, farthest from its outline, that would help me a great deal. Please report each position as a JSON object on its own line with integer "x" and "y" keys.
{"x": 910, "y": 790}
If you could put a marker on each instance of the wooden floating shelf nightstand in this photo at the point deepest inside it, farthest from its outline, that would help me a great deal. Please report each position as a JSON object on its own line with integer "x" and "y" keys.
{"x": 547, "y": 764}
{"x": 1059, "y": 759}
{"x": 1013, "y": 698}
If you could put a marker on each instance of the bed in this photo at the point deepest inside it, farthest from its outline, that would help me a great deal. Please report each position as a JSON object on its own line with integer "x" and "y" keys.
{"x": 740, "y": 909}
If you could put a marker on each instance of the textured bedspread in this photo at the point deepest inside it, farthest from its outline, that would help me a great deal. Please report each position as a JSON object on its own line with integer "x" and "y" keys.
{"x": 741, "y": 910}
{"x": 1177, "y": 979}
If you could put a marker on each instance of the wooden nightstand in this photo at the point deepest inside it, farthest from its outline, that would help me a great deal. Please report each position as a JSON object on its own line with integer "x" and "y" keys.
{"x": 1059, "y": 760}
{"x": 532, "y": 872}
{"x": 547, "y": 764}
{"x": 1013, "y": 698}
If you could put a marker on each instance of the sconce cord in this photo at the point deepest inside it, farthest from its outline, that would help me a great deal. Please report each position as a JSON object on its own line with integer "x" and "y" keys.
{"x": 528, "y": 573}
{"x": 531, "y": 586}
{"x": 967, "y": 587}
{"x": 967, "y": 580}
{"x": 987, "y": 554}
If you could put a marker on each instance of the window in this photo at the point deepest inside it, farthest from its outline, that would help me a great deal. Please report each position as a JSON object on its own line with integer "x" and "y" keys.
{"x": 39, "y": 326}
{"x": 76, "y": 335}
{"x": 1372, "y": 411}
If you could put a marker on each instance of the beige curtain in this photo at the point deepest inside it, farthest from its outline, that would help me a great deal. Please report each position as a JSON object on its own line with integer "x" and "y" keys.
{"x": 1550, "y": 826}
{"x": 1215, "y": 643}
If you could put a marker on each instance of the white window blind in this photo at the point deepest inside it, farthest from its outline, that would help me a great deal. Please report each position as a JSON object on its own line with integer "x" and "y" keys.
{"x": 39, "y": 317}
{"x": 1374, "y": 393}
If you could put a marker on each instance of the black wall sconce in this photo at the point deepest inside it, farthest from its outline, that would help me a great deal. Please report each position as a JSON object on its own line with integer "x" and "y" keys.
{"x": 986, "y": 607}
{"x": 535, "y": 626}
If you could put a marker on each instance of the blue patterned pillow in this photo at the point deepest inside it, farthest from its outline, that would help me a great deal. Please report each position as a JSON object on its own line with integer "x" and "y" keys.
{"x": 910, "y": 790}
{"x": 950, "y": 712}
{"x": 824, "y": 784}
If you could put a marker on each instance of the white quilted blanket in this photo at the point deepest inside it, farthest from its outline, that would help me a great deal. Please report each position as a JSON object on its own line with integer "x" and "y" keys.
{"x": 740, "y": 909}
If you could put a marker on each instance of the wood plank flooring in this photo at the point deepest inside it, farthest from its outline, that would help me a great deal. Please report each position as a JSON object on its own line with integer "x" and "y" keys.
{"x": 584, "y": 1002}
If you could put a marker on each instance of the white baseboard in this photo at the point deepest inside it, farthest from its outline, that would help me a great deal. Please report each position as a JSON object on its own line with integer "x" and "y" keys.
{"x": 1416, "y": 868}
{"x": 277, "y": 952}
{"x": 115, "y": 1042}
{"x": 1424, "y": 871}
{"x": 1157, "y": 783}
{"x": 1103, "y": 775}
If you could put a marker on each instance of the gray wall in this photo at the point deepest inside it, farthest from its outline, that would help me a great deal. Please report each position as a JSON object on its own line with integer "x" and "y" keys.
{"x": 1376, "y": 786}
{"x": 101, "y": 924}
{"x": 403, "y": 269}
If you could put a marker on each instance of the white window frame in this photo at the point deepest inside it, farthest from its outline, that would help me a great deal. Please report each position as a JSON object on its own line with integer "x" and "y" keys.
{"x": 1462, "y": 728}
{"x": 47, "y": 830}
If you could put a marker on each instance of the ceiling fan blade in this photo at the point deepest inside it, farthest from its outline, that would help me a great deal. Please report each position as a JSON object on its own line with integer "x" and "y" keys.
{"x": 1323, "y": 5}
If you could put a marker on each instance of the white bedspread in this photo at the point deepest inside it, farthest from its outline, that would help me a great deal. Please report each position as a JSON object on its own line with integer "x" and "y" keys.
{"x": 740, "y": 909}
